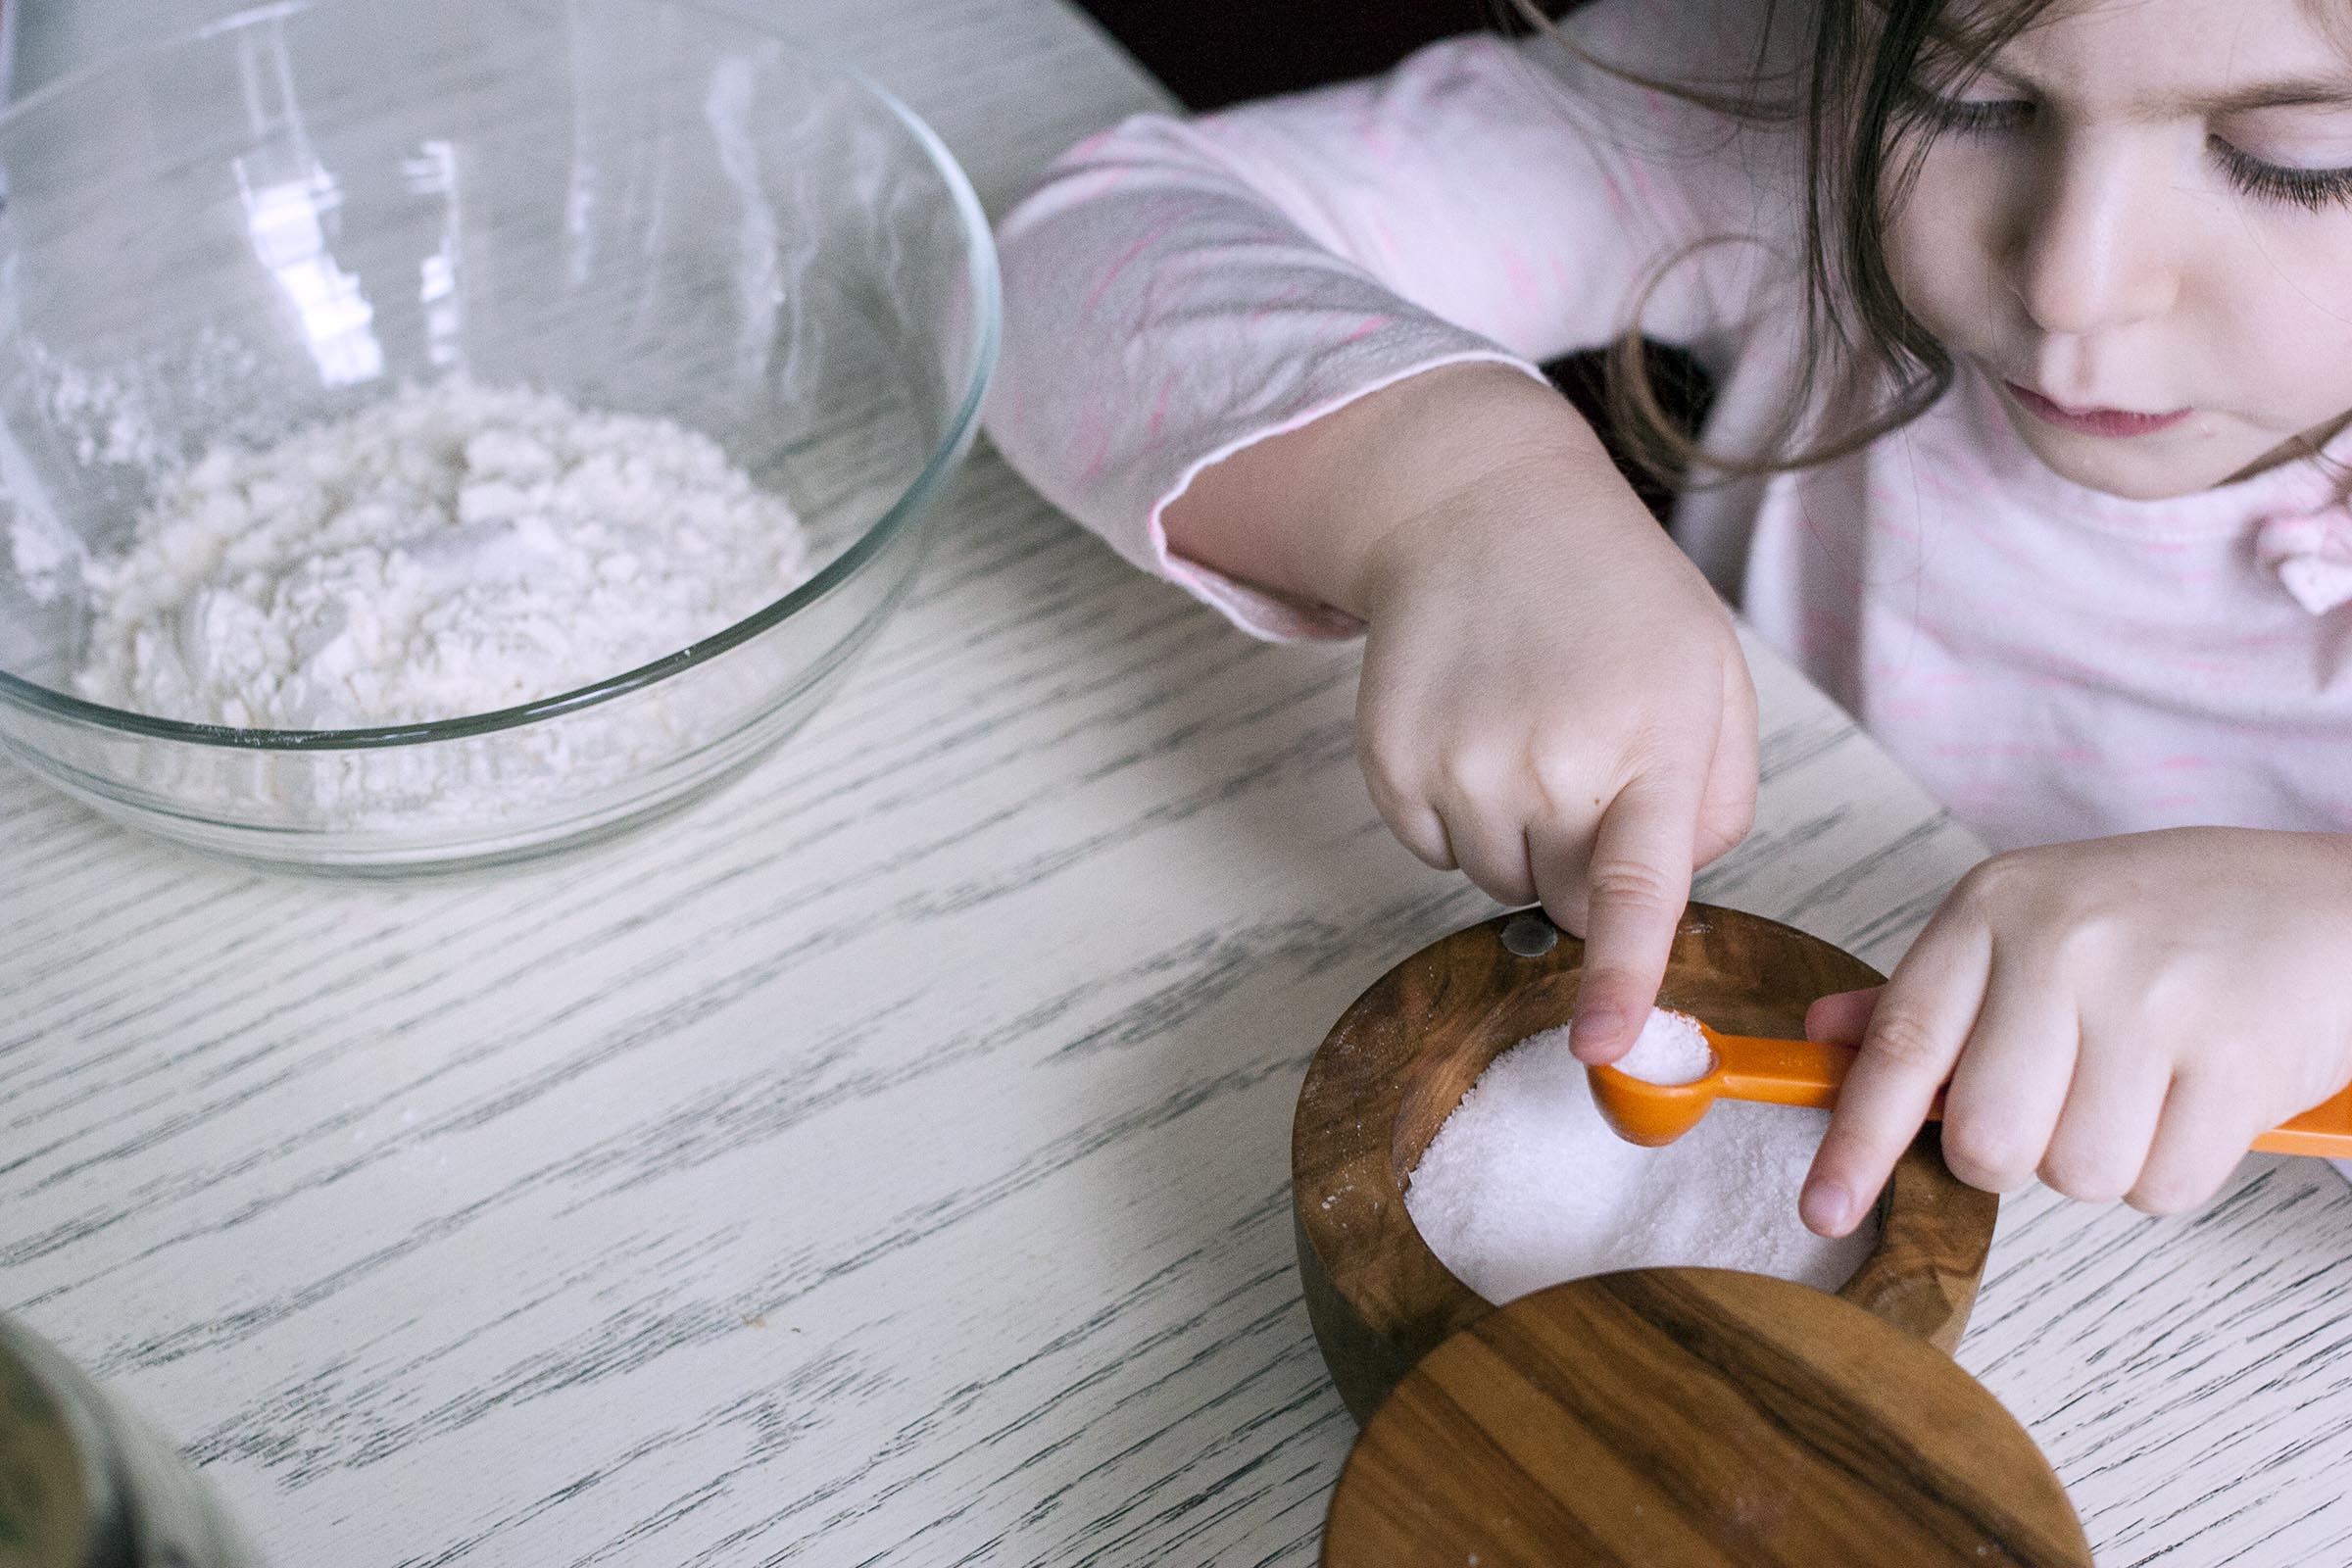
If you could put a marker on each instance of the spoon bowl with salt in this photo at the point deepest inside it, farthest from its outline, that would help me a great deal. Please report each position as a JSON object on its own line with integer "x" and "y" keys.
{"x": 1680, "y": 1065}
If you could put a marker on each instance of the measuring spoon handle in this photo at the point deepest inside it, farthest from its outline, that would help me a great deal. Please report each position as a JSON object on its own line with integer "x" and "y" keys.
{"x": 2325, "y": 1129}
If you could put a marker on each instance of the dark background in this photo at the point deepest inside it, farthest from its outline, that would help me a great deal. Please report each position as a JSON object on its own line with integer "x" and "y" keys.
{"x": 1210, "y": 53}
{"x": 1214, "y": 52}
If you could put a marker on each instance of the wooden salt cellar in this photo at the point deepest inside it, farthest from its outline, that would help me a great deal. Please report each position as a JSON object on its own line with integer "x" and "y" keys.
{"x": 1658, "y": 1416}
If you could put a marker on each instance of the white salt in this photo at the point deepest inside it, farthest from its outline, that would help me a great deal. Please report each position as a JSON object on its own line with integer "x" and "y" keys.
{"x": 1525, "y": 1186}
{"x": 1670, "y": 1051}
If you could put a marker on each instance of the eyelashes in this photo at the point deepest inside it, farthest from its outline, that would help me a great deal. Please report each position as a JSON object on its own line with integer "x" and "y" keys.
{"x": 2312, "y": 190}
{"x": 1967, "y": 115}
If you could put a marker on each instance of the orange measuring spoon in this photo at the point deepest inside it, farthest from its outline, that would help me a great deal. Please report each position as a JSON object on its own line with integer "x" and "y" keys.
{"x": 1806, "y": 1072}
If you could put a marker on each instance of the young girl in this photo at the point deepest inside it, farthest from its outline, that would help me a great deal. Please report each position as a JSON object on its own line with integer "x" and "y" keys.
{"x": 2032, "y": 329}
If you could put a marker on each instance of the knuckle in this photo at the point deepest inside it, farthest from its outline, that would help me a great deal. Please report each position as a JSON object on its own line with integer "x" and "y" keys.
{"x": 1988, "y": 1158}
{"x": 2083, "y": 943}
{"x": 1403, "y": 810}
{"x": 1425, "y": 840}
{"x": 1905, "y": 1041}
{"x": 2084, "y": 1175}
{"x": 2168, "y": 1193}
{"x": 1640, "y": 742}
{"x": 1989, "y": 884}
{"x": 1557, "y": 780}
{"x": 1631, "y": 883}
{"x": 1499, "y": 880}
{"x": 1510, "y": 889}
{"x": 2168, "y": 993}
{"x": 1471, "y": 772}
{"x": 1655, "y": 750}
{"x": 1618, "y": 993}
{"x": 1610, "y": 982}
{"x": 1721, "y": 830}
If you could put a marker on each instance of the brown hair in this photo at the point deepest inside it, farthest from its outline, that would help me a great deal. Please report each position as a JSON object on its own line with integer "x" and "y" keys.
{"x": 1857, "y": 105}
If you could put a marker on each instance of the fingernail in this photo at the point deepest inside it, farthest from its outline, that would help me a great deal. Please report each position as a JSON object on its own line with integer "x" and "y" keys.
{"x": 1589, "y": 1030}
{"x": 1824, "y": 1209}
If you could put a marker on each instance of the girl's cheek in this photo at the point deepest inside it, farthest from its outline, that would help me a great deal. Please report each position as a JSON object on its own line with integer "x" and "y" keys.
{"x": 2314, "y": 266}
{"x": 1938, "y": 249}
{"x": 2290, "y": 288}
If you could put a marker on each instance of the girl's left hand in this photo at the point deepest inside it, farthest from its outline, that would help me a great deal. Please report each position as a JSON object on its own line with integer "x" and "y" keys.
{"x": 2120, "y": 1016}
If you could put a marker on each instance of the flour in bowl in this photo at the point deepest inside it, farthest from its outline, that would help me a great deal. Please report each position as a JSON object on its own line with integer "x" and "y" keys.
{"x": 1525, "y": 1186}
{"x": 452, "y": 550}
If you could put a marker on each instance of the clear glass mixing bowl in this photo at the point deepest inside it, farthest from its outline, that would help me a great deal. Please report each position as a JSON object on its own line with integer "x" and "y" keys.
{"x": 648, "y": 206}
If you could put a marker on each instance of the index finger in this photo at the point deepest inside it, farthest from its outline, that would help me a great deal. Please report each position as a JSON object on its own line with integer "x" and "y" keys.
{"x": 1638, "y": 884}
{"x": 1921, "y": 1021}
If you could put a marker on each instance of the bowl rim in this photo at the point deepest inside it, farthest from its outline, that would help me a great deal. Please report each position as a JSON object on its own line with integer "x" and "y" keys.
{"x": 980, "y": 276}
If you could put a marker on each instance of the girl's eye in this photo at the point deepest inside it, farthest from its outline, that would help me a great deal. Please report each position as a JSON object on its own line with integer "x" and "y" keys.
{"x": 2313, "y": 189}
{"x": 1967, "y": 115}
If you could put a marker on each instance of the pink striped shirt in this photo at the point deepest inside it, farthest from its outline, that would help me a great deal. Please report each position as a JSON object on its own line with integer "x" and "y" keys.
{"x": 2051, "y": 662}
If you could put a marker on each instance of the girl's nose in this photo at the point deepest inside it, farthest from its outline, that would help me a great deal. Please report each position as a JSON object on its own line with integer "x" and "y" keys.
{"x": 2093, "y": 253}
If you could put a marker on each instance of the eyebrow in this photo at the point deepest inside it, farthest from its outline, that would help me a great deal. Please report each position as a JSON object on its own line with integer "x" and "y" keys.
{"x": 2295, "y": 92}
{"x": 2291, "y": 95}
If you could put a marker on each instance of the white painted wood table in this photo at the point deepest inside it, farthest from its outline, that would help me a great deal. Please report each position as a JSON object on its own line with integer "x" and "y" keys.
{"x": 884, "y": 1161}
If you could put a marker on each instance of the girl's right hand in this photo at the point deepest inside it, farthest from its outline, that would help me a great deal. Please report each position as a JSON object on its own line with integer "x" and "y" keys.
{"x": 1553, "y": 700}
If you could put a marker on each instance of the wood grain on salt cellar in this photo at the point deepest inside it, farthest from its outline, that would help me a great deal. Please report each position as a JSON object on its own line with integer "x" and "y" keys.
{"x": 886, "y": 1162}
{"x": 1698, "y": 1418}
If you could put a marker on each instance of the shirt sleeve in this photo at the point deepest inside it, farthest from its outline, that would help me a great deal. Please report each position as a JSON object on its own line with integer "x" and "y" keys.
{"x": 1177, "y": 290}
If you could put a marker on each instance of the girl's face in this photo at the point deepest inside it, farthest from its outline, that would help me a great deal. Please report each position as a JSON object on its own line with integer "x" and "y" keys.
{"x": 2137, "y": 221}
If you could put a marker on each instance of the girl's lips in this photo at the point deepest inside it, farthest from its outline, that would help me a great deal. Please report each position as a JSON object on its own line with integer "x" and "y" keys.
{"x": 2093, "y": 421}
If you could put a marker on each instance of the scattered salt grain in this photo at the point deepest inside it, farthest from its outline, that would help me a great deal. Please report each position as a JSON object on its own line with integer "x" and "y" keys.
{"x": 1669, "y": 1050}
{"x": 1525, "y": 1186}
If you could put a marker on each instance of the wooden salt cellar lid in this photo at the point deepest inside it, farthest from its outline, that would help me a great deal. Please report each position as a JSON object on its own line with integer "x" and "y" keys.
{"x": 1694, "y": 1418}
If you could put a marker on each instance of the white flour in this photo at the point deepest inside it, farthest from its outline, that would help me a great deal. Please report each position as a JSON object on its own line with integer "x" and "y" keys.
{"x": 1525, "y": 1186}
{"x": 454, "y": 550}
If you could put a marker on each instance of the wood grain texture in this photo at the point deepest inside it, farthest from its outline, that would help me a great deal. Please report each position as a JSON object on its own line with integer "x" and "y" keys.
{"x": 1403, "y": 1056}
{"x": 886, "y": 1162}
{"x": 1694, "y": 1418}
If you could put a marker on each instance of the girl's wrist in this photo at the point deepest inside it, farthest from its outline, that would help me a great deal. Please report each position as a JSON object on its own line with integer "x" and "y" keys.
{"x": 1346, "y": 509}
{"x": 1476, "y": 459}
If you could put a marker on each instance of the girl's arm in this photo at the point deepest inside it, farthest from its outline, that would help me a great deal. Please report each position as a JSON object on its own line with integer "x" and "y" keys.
{"x": 1177, "y": 291}
{"x": 1281, "y": 356}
